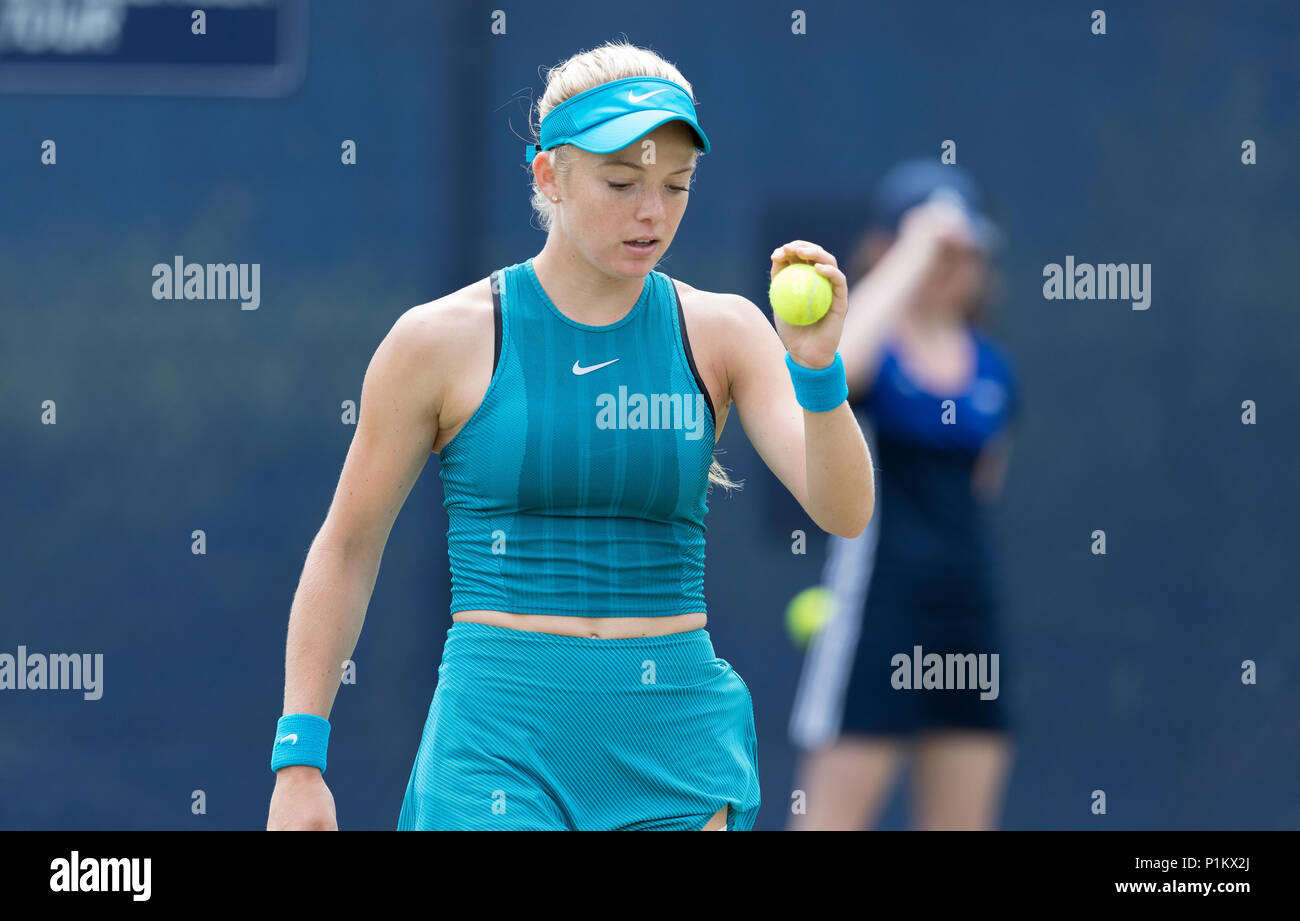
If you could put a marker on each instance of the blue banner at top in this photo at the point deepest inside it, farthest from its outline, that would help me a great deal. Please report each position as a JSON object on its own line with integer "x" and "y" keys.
{"x": 153, "y": 47}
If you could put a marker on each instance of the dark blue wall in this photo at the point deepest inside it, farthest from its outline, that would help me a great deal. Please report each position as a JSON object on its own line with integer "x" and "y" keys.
{"x": 177, "y": 415}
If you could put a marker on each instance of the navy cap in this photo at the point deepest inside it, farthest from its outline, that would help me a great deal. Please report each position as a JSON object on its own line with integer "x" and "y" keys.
{"x": 913, "y": 182}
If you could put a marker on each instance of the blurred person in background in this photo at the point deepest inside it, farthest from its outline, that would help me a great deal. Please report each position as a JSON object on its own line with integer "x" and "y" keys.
{"x": 939, "y": 398}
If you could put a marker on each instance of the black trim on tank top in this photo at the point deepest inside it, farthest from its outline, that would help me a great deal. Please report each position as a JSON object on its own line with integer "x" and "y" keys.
{"x": 686, "y": 345}
{"x": 496, "y": 321}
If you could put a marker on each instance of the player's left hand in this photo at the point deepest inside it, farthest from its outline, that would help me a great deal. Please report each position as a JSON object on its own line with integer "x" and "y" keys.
{"x": 813, "y": 346}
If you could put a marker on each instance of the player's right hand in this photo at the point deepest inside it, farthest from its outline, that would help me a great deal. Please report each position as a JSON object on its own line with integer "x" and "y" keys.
{"x": 301, "y": 801}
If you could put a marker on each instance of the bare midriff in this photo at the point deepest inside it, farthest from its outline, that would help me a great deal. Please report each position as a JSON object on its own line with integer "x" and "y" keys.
{"x": 600, "y": 628}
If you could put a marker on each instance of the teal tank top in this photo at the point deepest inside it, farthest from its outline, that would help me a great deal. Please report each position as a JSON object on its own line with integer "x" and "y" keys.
{"x": 579, "y": 484}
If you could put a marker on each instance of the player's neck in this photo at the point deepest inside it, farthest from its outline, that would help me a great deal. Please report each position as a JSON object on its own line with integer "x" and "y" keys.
{"x": 581, "y": 291}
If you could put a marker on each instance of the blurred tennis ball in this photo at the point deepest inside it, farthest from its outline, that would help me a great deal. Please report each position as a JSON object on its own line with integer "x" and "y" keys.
{"x": 807, "y": 613}
{"x": 800, "y": 294}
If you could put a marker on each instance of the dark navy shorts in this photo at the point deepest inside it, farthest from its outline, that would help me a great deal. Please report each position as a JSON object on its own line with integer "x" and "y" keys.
{"x": 926, "y": 663}
{"x": 907, "y": 658}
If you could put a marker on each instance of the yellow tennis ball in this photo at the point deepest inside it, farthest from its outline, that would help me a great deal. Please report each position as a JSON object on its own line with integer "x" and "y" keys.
{"x": 808, "y": 613}
{"x": 800, "y": 294}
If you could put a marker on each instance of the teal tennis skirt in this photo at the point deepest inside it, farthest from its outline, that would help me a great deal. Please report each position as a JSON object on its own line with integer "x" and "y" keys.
{"x": 535, "y": 731}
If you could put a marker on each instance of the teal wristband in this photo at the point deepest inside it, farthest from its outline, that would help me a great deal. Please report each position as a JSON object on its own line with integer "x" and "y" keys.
{"x": 300, "y": 738}
{"x": 819, "y": 390}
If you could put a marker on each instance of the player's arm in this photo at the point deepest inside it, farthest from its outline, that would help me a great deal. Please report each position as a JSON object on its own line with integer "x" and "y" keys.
{"x": 397, "y": 425}
{"x": 879, "y": 299}
{"x": 821, "y": 457}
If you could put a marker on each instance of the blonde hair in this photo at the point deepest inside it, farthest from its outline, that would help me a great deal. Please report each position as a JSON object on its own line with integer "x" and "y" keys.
{"x": 579, "y": 73}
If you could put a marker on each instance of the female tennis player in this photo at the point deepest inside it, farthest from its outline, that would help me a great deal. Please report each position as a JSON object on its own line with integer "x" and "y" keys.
{"x": 939, "y": 398}
{"x": 575, "y": 399}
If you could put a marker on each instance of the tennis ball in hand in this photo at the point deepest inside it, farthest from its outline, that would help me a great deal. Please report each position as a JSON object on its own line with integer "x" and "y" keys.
{"x": 800, "y": 294}
{"x": 807, "y": 613}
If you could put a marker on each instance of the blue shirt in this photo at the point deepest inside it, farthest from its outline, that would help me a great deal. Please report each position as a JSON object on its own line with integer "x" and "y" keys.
{"x": 933, "y": 535}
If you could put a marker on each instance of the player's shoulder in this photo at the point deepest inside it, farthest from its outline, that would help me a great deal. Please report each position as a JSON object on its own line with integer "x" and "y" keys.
{"x": 719, "y": 312}
{"x": 429, "y": 343}
{"x": 449, "y": 323}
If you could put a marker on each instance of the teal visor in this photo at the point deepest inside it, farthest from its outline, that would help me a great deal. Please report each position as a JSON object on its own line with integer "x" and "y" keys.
{"x": 611, "y": 116}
